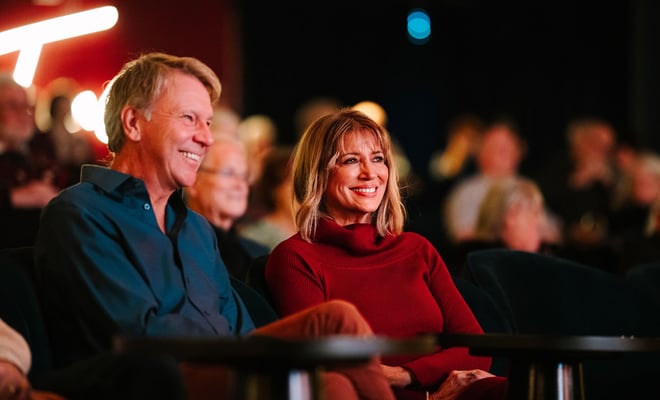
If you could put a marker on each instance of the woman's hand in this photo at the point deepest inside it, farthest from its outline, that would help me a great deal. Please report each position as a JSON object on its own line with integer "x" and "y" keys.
{"x": 397, "y": 376}
{"x": 456, "y": 382}
{"x": 13, "y": 383}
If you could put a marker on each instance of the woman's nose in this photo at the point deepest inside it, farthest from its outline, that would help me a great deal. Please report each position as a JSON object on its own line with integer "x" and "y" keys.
{"x": 367, "y": 170}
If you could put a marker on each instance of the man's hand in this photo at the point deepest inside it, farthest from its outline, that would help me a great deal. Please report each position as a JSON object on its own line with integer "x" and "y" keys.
{"x": 13, "y": 383}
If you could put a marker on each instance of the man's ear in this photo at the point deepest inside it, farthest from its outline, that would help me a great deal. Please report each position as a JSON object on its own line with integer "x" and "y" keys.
{"x": 131, "y": 123}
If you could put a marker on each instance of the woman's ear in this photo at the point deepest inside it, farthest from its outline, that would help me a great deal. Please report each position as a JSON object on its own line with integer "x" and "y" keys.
{"x": 130, "y": 122}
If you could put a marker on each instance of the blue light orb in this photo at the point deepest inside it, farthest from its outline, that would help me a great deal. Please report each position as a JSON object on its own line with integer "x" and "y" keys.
{"x": 419, "y": 26}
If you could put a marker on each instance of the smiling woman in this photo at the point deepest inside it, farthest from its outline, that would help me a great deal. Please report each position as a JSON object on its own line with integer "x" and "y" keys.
{"x": 351, "y": 246}
{"x": 357, "y": 181}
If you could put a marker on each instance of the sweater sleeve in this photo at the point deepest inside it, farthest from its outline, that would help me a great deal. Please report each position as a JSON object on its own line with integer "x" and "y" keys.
{"x": 287, "y": 270}
{"x": 458, "y": 318}
{"x": 14, "y": 348}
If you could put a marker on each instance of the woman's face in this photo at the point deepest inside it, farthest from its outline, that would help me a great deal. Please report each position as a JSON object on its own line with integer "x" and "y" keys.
{"x": 358, "y": 181}
{"x": 522, "y": 227}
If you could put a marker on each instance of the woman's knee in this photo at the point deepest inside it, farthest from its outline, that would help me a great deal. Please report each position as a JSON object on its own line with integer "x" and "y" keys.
{"x": 347, "y": 316}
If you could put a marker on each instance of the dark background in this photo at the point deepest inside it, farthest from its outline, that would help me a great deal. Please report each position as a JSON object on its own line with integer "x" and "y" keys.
{"x": 540, "y": 63}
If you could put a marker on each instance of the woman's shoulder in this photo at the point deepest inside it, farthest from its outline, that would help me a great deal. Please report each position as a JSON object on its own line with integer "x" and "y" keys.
{"x": 415, "y": 238}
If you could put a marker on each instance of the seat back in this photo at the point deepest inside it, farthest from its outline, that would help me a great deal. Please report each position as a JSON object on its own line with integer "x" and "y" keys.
{"x": 646, "y": 279}
{"x": 549, "y": 295}
{"x": 19, "y": 304}
{"x": 488, "y": 314}
{"x": 256, "y": 277}
{"x": 260, "y": 310}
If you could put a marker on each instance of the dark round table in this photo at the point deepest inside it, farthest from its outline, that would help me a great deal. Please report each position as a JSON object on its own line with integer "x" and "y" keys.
{"x": 270, "y": 368}
{"x": 547, "y": 366}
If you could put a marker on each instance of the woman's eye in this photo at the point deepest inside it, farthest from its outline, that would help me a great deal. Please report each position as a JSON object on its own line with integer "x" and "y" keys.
{"x": 379, "y": 159}
{"x": 350, "y": 161}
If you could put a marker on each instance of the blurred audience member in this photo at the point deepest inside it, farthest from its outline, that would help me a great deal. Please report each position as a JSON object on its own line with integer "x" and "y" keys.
{"x": 512, "y": 215}
{"x": 220, "y": 194}
{"x": 64, "y": 142}
{"x": 632, "y": 213}
{"x": 26, "y": 180}
{"x": 578, "y": 187}
{"x": 446, "y": 166}
{"x": 625, "y": 158}
{"x": 457, "y": 157}
{"x": 259, "y": 133}
{"x": 226, "y": 121}
{"x": 633, "y": 224}
{"x": 499, "y": 154}
{"x": 271, "y": 218}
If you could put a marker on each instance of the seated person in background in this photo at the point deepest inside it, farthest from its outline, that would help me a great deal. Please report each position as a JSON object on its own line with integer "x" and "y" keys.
{"x": 220, "y": 193}
{"x": 271, "y": 219}
{"x": 26, "y": 183}
{"x": 15, "y": 362}
{"x": 457, "y": 158}
{"x": 578, "y": 186}
{"x": 69, "y": 148}
{"x": 351, "y": 245}
{"x": 512, "y": 215}
{"x": 633, "y": 226}
{"x": 259, "y": 134}
{"x": 121, "y": 254}
{"x": 498, "y": 157}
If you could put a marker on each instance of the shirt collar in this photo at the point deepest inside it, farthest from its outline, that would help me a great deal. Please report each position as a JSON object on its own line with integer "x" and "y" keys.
{"x": 121, "y": 184}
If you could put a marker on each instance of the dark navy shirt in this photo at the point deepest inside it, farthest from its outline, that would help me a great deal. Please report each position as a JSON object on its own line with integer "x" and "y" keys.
{"x": 104, "y": 267}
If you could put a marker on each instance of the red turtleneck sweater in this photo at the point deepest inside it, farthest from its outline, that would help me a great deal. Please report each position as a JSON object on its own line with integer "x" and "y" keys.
{"x": 399, "y": 283}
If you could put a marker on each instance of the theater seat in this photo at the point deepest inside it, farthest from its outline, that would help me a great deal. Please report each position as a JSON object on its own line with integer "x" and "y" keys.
{"x": 541, "y": 294}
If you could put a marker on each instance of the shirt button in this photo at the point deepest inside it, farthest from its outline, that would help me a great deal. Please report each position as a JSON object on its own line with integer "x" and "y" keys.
{"x": 146, "y": 206}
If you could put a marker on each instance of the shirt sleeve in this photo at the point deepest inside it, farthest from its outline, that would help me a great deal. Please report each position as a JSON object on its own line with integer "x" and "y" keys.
{"x": 88, "y": 267}
{"x": 14, "y": 348}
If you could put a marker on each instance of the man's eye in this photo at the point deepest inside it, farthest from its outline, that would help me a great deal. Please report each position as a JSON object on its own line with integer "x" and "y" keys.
{"x": 189, "y": 119}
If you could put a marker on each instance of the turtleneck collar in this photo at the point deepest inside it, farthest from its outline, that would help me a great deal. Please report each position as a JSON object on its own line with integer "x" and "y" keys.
{"x": 357, "y": 239}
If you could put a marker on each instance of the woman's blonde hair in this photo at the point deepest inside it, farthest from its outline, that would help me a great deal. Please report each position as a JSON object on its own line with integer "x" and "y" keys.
{"x": 141, "y": 80}
{"x": 501, "y": 197}
{"x": 316, "y": 155}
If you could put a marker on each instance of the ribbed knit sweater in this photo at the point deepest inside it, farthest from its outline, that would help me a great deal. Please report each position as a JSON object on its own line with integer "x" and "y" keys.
{"x": 399, "y": 283}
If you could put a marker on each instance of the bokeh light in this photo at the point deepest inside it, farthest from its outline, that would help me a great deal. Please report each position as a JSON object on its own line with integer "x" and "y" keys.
{"x": 419, "y": 26}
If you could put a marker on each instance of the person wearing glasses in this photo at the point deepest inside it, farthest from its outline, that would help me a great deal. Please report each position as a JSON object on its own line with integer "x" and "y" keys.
{"x": 220, "y": 193}
{"x": 26, "y": 184}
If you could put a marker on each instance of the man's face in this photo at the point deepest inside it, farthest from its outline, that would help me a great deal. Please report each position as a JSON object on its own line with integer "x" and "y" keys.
{"x": 16, "y": 116}
{"x": 177, "y": 135}
{"x": 221, "y": 189}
